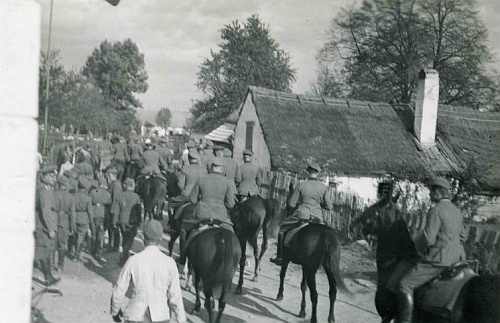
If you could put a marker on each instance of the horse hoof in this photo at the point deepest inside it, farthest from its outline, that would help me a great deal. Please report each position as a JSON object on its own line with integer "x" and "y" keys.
{"x": 194, "y": 312}
{"x": 302, "y": 314}
{"x": 239, "y": 290}
{"x": 255, "y": 279}
{"x": 279, "y": 298}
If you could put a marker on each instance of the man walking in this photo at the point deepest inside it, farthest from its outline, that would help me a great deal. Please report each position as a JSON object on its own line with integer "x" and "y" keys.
{"x": 155, "y": 279}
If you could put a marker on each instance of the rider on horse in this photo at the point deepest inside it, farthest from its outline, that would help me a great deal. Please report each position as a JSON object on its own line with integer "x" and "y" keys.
{"x": 213, "y": 194}
{"x": 439, "y": 245}
{"x": 152, "y": 161}
{"x": 313, "y": 196}
{"x": 248, "y": 177}
{"x": 121, "y": 155}
{"x": 135, "y": 153}
{"x": 165, "y": 153}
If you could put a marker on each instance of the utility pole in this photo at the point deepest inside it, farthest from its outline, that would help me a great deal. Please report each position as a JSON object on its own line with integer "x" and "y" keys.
{"x": 46, "y": 119}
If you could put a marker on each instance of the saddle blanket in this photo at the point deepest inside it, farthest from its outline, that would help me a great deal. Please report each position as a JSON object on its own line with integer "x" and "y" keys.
{"x": 290, "y": 234}
{"x": 440, "y": 296}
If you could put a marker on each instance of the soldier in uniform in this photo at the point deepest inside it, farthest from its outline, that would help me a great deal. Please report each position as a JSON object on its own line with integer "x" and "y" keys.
{"x": 203, "y": 158}
{"x": 439, "y": 244}
{"x": 135, "y": 153}
{"x": 188, "y": 177}
{"x": 115, "y": 188}
{"x": 230, "y": 168}
{"x": 84, "y": 215}
{"x": 66, "y": 166}
{"x": 152, "y": 161}
{"x": 46, "y": 222}
{"x": 72, "y": 176}
{"x": 184, "y": 160}
{"x": 213, "y": 195}
{"x": 313, "y": 196}
{"x": 248, "y": 177}
{"x": 165, "y": 153}
{"x": 66, "y": 211}
{"x": 121, "y": 155}
{"x": 209, "y": 152}
{"x": 101, "y": 200}
{"x": 127, "y": 216}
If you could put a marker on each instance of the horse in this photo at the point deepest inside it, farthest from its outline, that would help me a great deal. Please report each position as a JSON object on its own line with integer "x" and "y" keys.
{"x": 477, "y": 300}
{"x": 249, "y": 218}
{"x": 132, "y": 170}
{"x": 213, "y": 255}
{"x": 152, "y": 190}
{"x": 314, "y": 245}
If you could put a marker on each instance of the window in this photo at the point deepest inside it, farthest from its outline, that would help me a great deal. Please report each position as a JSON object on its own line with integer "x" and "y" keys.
{"x": 384, "y": 188}
{"x": 249, "y": 135}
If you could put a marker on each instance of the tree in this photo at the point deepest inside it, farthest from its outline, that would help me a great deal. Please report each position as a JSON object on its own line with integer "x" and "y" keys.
{"x": 375, "y": 51}
{"x": 248, "y": 56}
{"x": 119, "y": 71}
{"x": 163, "y": 118}
{"x": 56, "y": 88}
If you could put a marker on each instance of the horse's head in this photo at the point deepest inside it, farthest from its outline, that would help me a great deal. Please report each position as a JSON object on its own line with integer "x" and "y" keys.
{"x": 379, "y": 216}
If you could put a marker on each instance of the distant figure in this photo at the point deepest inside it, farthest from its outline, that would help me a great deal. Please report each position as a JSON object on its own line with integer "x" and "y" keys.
{"x": 155, "y": 280}
{"x": 248, "y": 177}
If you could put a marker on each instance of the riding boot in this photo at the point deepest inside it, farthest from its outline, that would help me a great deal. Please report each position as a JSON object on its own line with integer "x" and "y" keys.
{"x": 49, "y": 279}
{"x": 182, "y": 243}
{"x": 62, "y": 255}
{"x": 278, "y": 259}
{"x": 405, "y": 308}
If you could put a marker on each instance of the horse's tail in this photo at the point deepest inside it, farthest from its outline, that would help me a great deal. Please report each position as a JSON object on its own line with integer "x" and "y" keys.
{"x": 272, "y": 210}
{"x": 227, "y": 262}
{"x": 332, "y": 258}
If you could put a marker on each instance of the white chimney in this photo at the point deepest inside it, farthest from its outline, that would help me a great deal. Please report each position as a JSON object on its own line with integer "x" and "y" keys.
{"x": 426, "y": 107}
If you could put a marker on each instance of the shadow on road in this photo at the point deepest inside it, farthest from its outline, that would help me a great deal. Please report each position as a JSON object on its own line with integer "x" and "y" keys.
{"x": 203, "y": 314}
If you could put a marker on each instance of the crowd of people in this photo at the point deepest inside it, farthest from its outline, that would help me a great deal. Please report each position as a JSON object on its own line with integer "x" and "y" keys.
{"x": 76, "y": 204}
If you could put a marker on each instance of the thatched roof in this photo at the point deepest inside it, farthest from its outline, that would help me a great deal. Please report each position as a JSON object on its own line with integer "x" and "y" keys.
{"x": 472, "y": 135}
{"x": 347, "y": 136}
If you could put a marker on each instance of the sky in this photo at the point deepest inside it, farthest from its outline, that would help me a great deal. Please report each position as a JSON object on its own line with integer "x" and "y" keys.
{"x": 176, "y": 36}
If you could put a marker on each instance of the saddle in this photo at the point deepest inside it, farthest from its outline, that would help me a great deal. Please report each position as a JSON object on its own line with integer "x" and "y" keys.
{"x": 291, "y": 233}
{"x": 203, "y": 225}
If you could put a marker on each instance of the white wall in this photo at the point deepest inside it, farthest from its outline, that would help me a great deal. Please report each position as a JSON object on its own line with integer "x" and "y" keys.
{"x": 19, "y": 59}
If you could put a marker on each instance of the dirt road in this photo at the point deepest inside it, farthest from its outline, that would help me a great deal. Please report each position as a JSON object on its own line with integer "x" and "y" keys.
{"x": 87, "y": 287}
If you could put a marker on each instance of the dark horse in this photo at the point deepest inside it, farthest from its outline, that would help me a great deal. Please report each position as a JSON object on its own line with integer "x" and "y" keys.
{"x": 213, "y": 255}
{"x": 313, "y": 246}
{"x": 477, "y": 300}
{"x": 152, "y": 190}
{"x": 249, "y": 217}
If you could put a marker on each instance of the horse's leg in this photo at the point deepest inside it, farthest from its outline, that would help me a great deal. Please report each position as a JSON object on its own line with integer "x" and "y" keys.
{"x": 243, "y": 244}
{"x": 284, "y": 267}
{"x": 209, "y": 301}
{"x": 311, "y": 283}
{"x": 173, "y": 238}
{"x": 303, "y": 288}
{"x": 332, "y": 293}
{"x": 255, "y": 246}
{"x": 197, "y": 287}
{"x": 263, "y": 247}
{"x": 222, "y": 301}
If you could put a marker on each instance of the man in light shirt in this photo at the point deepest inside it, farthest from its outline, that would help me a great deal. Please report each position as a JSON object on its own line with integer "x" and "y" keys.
{"x": 157, "y": 290}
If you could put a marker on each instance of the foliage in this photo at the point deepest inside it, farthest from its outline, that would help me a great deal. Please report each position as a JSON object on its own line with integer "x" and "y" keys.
{"x": 119, "y": 71}
{"x": 248, "y": 56}
{"x": 376, "y": 51}
{"x": 164, "y": 118}
{"x": 56, "y": 89}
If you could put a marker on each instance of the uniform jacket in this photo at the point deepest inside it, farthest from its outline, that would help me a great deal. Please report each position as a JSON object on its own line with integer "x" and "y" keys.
{"x": 46, "y": 210}
{"x": 311, "y": 196}
{"x": 230, "y": 168}
{"x": 440, "y": 242}
{"x": 166, "y": 155}
{"x": 66, "y": 209}
{"x": 121, "y": 152}
{"x": 128, "y": 209}
{"x": 155, "y": 285}
{"x": 209, "y": 153}
{"x": 152, "y": 160}
{"x": 204, "y": 160}
{"x": 135, "y": 152}
{"x": 115, "y": 189}
{"x": 189, "y": 176}
{"x": 101, "y": 200}
{"x": 84, "y": 207}
{"x": 248, "y": 179}
{"x": 214, "y": 195}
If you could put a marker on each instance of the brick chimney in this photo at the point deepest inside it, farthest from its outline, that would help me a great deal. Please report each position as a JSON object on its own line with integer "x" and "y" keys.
{"x": 426, "y": 107}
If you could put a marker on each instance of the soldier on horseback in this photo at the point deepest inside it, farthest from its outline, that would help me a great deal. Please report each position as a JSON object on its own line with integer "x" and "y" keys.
{"x": 135, "y": 153}
{"x": 152, "y": 161}
{"x": 311, "y": 196}
{"x": 248, "y": 177}
{"x": 213, "y": 195}
{"x": 439, "y": 246}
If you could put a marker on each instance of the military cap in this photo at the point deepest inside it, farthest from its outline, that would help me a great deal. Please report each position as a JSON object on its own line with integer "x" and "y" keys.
{"x": 209, "y": 143}
{"x": 48, "y": 170}
{"x": 153, "y": 230}
{"x": 190, "y": 144}
{"x": 63, "y": 182}
{"x": 218, "y": 161}
{"x": 314, "y": 166}
{"x": 129, "y": 183}
{"x": 227, "y": 152}
{"x": 193, "y": 153}
{"x": 247, "y": 152}
{"x": 439, "y": 181}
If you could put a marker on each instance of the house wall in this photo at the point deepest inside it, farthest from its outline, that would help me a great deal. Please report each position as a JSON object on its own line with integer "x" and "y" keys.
{"x": 488, "y": 207}
{"x": 261, "y": 153}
